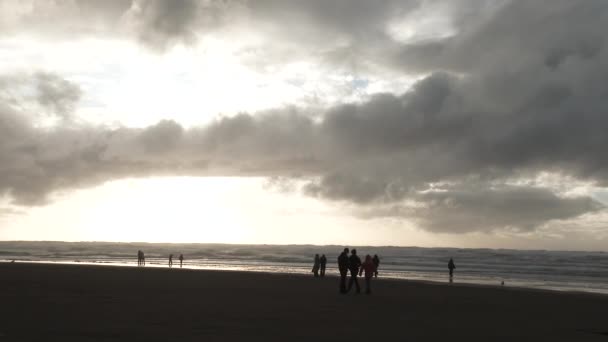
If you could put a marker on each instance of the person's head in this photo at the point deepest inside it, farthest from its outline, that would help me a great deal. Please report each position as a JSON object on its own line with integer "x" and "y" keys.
{"x": 346, "y": 250}
{"x": 322, "y": 255}
{"x": 316, "y": 255}
{"x": 375, "y": 255}
{"x": 354, "y": 252}
{"x": 368, "y": 258}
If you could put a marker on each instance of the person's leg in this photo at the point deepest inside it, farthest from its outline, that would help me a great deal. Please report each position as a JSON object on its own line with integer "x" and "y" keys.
{"x": 342, "y": 281}
{"x": 368, "y": 284}
{"x": 353, "y": 279}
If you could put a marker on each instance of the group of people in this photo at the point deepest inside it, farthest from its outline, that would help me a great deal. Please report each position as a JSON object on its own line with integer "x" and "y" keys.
{"x": 141, "y": 259}
{"x": 353, "y": 264}
{"x": 356, "y": 268}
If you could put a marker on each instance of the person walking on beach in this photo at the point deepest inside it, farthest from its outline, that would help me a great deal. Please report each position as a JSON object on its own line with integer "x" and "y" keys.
{"x": 143, "y": 258}
{"x": 369, "y": 266}
{"x": 316, "y": 265}
{"x": 451, "y": 267}
{"x": 139, "y": 257}
{"x": 376, "y": 262}
{"x": 343, "y": 268}
{"x": 323, "y": 261}
{"x": 181, "y": 260}
{"x": 353, "y": 265}
{"x": 170, "y": 260}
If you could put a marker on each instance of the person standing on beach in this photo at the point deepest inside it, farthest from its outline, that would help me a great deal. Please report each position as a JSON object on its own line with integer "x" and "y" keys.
{"x": 316, "y": 265}
{"x": 170, "y": 260}
{"x": 451, "y": 267}
{"x": 181, "y": 260}
{"x": 343, "y": 268}
{"x": 323, "y": 261}
{"x": 143, "y": 258}
{"x": 376, "y": 262}
{"x": 353, "y": 265}
{"x": 139, "y": 257}
{"x": 369, "y": 266}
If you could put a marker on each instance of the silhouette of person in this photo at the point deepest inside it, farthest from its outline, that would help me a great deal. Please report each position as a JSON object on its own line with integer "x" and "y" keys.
{"x": 353, "y": 266}
{"x": 181, "y": 260}
{"x": 316, "y": 265}
{"x": 376, "y": 262}
{"x": 451, "y": 267}
{"x": 369, "y": 266}
{"x": 343, "y": 268}
{"x": 170, "y": 260}
{"x": 323, "y": 261}
{"x": 141, "y": 261}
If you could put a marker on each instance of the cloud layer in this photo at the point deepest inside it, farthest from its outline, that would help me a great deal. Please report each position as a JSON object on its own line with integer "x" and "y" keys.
{"x": 505, "y": 97}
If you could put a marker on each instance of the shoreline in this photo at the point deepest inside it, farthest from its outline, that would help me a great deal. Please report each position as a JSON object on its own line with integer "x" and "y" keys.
{"x": 330, "y": 274}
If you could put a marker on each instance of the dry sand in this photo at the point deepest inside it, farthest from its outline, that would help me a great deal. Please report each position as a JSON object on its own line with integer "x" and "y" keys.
{"x": 41, "y": 302}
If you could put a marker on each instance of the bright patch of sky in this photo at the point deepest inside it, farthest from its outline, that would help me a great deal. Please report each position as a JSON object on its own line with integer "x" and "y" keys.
{"x": 127, "y": 84}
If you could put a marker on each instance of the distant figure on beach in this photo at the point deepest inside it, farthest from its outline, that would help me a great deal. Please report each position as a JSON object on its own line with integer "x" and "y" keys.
{"x": 143, "y": 258}
{"x": 343, "y": 268}
{"x": 181, "y": 260}
{"x": 369, "y": 266}
{"x": 323, "y": 261}
{"x": 451, "y": 267}
{"x": 140, "y": 257}
{"x": 353, "y": 265}
{"x": 376, "y": 262}
{"x": 316, "y": 265}
{"x": 170, "y": 260}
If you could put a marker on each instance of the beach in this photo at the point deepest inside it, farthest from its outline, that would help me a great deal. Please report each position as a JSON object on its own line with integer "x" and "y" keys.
{"x": 46, "y": 302}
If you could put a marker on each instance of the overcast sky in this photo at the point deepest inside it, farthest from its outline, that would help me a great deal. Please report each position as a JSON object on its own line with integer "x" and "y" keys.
{"x": 479, "y": 123}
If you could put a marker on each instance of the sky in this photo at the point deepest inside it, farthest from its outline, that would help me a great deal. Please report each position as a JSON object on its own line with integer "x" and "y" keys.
{"x": 430, "y": 123}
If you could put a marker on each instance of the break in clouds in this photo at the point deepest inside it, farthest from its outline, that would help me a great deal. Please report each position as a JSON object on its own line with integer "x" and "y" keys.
{"x": 515, "y": 91}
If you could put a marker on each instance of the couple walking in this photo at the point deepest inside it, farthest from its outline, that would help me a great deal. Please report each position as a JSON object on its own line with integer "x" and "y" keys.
{"x": 353, "y": 264}
{"x": 319, "y": 264}
{"x": 141, "y": 258}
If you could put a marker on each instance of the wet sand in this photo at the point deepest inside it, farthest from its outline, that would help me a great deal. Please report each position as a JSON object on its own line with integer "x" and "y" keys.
{"x": 41, "y": 302}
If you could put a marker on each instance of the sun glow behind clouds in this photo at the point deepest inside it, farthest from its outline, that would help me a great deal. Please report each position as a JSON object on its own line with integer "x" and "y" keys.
{"x": 206, "y": 210}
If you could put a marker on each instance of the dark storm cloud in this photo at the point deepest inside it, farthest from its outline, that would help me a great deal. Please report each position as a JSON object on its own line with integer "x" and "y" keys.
{"x": 520, "y": 33}
{"x": 485, "y": 207}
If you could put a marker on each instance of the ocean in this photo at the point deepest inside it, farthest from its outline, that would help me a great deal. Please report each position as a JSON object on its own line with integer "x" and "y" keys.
{"x": 555, "y": 270}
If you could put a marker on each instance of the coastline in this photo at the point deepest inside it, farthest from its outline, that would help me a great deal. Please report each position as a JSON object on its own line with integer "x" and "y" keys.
{"x": 331, "y": 273}
{"x": 102, "y": 302}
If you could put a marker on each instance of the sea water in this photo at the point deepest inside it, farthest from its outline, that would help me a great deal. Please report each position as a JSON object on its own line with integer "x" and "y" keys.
{"x": 556, "y": 270}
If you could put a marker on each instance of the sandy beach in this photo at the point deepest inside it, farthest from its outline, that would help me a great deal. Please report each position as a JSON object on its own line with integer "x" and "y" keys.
{"x": 42, "y": 302}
